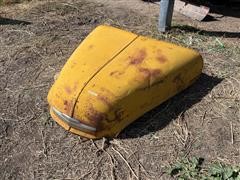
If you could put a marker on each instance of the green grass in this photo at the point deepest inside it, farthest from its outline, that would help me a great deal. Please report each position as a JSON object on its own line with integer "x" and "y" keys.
{"x": 188, "y": 169}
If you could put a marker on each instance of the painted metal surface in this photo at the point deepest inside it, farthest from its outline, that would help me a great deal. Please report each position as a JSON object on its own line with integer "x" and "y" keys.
{"x": 140, "y": 76}
{"x": 91, "y": 55}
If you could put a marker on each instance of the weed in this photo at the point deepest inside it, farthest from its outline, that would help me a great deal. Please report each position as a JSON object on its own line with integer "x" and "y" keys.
{"x": 218, "y": 171}
{"x": 188, "y": 169}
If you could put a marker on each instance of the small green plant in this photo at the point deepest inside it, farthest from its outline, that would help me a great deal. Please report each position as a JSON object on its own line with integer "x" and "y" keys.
{"x": 189, "y": 169}
{"x": 218, "y": 171}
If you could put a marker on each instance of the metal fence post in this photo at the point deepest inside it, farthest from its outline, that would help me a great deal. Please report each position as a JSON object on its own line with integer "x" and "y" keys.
{"x": 165, "y": 16}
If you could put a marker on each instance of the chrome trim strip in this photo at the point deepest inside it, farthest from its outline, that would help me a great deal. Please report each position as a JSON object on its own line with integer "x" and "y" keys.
{"x": 73, "y": 122}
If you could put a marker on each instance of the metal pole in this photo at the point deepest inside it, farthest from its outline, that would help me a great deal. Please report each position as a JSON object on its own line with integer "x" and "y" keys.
{"x": 165, "y": 17}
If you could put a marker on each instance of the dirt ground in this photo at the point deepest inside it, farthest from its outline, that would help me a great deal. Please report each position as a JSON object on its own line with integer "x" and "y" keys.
{"x": 36, "y": 38}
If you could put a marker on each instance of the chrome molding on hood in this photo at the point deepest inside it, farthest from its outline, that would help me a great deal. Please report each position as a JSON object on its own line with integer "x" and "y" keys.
{"x": 73, "y": 122}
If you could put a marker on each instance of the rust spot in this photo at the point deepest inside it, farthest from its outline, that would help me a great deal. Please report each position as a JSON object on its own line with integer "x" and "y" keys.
{"x": 138, "y": 57}
{"x": 88, "y": 122}
{"x": 144, "y": 71}
{"x": 144, "y": 39}
{"x": 113, "y": 72}
{"x": 90, "y": 46}
{"x": 160, "y": 57}
{"x": 104, "y": 99}
{"x": 68, "y": 90}
{"x": 150, "y": 73}
{"x": 155, "y": 73}
{"x": 94, "y": 115}
{"x": 116, "y": 73}
{"x": 65, "y": 102}
{"x": 151, "y": 76}
{"x": 68, "y": 106}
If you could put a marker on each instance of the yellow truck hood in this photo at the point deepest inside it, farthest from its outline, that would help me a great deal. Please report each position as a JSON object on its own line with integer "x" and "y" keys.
{"x": 114, "y": 77}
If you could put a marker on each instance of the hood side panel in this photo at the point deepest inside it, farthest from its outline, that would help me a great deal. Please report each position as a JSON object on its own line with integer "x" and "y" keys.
{"x": 145, "y": 74}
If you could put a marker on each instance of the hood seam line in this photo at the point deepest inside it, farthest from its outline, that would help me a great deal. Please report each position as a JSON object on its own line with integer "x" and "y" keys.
{"x": 104, "y": 65}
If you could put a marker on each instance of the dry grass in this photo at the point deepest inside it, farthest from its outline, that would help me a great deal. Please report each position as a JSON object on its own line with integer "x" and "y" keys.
{"x": 201, "y": 121}
{"x": 7, "y": 2}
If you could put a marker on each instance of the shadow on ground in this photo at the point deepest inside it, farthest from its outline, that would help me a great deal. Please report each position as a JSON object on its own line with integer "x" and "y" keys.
{"x": 192, "y": 29}
{"x": 221, "y": 7}
{"x": 7, "y": 21}
{"x": 161, "y": 116}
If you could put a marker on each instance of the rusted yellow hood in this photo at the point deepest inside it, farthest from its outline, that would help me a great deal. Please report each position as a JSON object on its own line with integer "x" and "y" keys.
{"x": 114, "y": 77}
